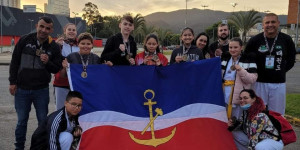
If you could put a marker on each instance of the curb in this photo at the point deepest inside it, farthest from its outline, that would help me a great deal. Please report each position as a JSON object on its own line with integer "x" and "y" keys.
{"x": 293, "y": 120}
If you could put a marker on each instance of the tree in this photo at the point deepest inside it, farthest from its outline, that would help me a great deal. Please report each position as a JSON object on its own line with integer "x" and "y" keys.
{"x": 91, "y": 15}
{"x": 244, "y": 21}
{"x": 162, "y": 34}
{"x": 111, "y": 25}
{"x": 173, "y": 39}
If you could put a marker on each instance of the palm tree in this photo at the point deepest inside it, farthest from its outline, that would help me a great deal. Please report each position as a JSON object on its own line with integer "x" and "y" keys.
{"x": 139, "y": 22}
{"x": 244, "y": 21}
{"x": 143, "y": 32}
{"x": 162, "y": 34}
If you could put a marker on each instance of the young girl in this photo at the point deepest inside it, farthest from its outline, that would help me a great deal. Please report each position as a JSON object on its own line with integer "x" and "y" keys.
{"x": 239, "y": 72}
{"x": 68, "y": 45}
{"x": 121, "y": 48}
{"x": 151, "y": 55}
{"x": 187, "y": 52}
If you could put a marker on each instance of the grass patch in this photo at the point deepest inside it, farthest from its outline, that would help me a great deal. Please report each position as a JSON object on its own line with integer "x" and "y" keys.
{"x": 293, "y": 105}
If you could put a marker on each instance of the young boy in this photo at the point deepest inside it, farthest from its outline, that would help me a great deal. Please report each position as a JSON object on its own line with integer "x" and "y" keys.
{"x": 60, "y": 127}
{"x": 121, "y": 49}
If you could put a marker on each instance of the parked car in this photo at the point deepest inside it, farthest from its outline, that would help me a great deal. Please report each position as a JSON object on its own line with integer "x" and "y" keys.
{"x": 298, "y": 50}
{"x": 172, "y": 47}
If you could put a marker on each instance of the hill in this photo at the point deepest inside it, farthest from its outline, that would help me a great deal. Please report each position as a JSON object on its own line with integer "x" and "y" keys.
{"x": 197, "y": 19}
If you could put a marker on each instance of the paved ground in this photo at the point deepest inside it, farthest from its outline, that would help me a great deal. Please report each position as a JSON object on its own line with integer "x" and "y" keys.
{"x": 8, "y": 116}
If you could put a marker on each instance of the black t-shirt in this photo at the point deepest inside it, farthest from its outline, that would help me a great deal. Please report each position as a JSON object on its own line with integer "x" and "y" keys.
{"x": 213, "y": 46}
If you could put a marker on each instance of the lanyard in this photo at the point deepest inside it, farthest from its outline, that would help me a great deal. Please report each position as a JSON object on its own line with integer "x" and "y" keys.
{"x": 84, "y": 64}
{"x": 267, "y": 44}
{"x": 185, "y": 51}
{"x": 127, "y": 47}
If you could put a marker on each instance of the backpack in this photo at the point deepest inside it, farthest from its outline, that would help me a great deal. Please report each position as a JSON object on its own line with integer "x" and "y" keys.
{"x": 286, "y": 132}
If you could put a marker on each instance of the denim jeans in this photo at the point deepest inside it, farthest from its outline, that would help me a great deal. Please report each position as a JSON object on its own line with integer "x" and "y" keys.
{"x": 23, "y": 100}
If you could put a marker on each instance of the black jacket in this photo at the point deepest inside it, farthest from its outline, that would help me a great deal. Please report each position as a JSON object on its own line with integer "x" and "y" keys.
{"x": 194, "y": 53}
{"x": 46, "y": 136}
{"x": 112, "y": 52}
{"x": 284, "y": 53}
{"x": 26, "y": 70}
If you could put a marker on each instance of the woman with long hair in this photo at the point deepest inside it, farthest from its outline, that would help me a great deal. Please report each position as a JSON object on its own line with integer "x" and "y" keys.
{"x": 255, "y": 124}
{"x": 202, "y": 42}
{"x": 68, "y": 44}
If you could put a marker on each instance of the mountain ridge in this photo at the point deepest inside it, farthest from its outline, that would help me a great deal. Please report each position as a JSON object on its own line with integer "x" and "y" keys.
{"x": 197, "y": 19}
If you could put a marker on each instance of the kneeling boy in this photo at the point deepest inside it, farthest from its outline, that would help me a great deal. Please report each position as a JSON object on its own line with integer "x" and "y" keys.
{"x": 61, "y": 127}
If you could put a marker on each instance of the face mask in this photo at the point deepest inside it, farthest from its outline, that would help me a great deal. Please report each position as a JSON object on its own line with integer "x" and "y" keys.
{"x": 246, "y": 107}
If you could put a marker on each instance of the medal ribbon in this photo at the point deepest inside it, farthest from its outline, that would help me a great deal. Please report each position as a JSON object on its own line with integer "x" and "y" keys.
{"x": 185, "y": 51}
{"x": 127, "y": 47}
{"x": 84, "y": 64}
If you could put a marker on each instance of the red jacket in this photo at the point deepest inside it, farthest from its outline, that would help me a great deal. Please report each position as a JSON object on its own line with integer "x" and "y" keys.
{"x": 139, "y": 59}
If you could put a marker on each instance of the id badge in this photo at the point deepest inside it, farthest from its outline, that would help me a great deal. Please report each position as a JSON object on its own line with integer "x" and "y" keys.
{"x": 270, "y": 60}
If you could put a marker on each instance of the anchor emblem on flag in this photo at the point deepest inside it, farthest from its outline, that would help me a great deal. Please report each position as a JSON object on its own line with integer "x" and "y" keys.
{"x": 153, "y": 141}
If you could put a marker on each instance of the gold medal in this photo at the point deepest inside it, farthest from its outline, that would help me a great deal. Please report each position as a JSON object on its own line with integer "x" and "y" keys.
{"x": 154, "y": 57}
{"x": 127, "y": 57}
{"x": 232, "y": 68}
{"x": 84, "y": 74}
{"x": 184, "y": 57}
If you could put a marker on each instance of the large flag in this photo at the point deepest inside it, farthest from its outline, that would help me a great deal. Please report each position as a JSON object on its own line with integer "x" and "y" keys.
{"x": 176, "y": 107}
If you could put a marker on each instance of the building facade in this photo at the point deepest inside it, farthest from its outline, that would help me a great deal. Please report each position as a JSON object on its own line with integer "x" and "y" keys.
{"x": 11, "y": 3}
{"x": 58, "y": 7}
{"x": 292, "y": 12}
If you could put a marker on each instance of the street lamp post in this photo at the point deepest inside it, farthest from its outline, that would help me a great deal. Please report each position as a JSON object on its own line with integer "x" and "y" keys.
{"x": 41, "y": 10}
{"x": 296, "y": 41}
{"x": 95, "y": 33}
{"x": 185, "y": 12}
{"x": 204, "y": 6}
{"x": 1, "y": 27}
{"x": 233, "y": 5}
{"x": 75, "y": 16}
{"x": 30, "y": 24}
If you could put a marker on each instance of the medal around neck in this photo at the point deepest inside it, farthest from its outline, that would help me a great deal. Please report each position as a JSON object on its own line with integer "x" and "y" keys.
{"x": 232, "y": 68}
{"x": 84, "y": 74}
{"x": 128, "y": 56}
{"x": 38, "y": 52}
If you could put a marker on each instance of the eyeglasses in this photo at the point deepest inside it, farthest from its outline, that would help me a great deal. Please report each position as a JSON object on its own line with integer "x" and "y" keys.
{"x": 75, "y": 105}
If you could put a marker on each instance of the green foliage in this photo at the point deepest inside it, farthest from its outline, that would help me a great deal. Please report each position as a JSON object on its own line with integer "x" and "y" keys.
{"x": 212, "y": 31}
{"x": 244, "y": 21}
{"x": 293, "y": 105}
{"x": 162, "y": 35}
{"x": 91, "y": 14}
{"x": 174, "y": 39}
{"x": 111, "y": 26}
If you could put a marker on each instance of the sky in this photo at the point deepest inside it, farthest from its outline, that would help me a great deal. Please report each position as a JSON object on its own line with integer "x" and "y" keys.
{"x": 145, "y": 7}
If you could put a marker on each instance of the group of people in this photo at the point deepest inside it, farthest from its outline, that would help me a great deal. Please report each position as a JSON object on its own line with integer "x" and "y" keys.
{"x": 261, "y": 67}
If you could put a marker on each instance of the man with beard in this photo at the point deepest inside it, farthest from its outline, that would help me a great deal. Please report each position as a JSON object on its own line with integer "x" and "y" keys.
{"x": 34, "y": 58}
{"x": 221, "y": 45}
{"x": 275, "y": 56}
